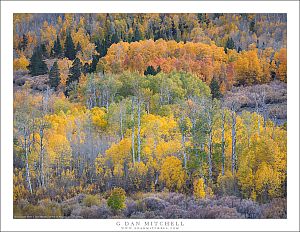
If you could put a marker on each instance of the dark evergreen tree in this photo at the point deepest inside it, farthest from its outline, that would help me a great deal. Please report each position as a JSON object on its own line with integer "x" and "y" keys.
{"x": 101, "y": 47}
{"x": 54, "y": 76}
{"x": 115, "y": 38}
{"x": 70, "y": 52}
{"x": 151, "y": 70}
{"x": 229, "y": 44}
{"x": 94, "y": 63}
{"x": 74, "y": 75}
{"x": 23, "y": 44}
{"x": 252, "y": 26}
{"x": 44, "y": 51}
{"x": 57, "y": 49}
{"x": 37, "y": 65}
{"x": 78, "y": 47}
{"x": 215, "y": 89}
{"x": 85, "y": 68}
{"x": 137, "y": 34}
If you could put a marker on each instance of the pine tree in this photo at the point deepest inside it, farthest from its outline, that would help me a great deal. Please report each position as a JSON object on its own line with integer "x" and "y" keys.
{"x": 74, "y": 75}
{"x": 137, "y": 34}
{"x": 78, "y": 47}
{"x": 229, "y": 44}
{"x": 215, "y": 89}
{"x": 44, "y": 52}
{"x": 94, "y": 63}
{"x": 23, "y": 44}
{"x": 70, "y": 52}
{"x": 85, "y": 69}
{"x": 57, "y": 49}
{"x": 151, "y": 71}
{"x": 101, "y": 48}
{"x": 54, "y": 76}
{"x": 115, "y": 38}
{"x": 252, "y": 26}
{"x": 37, "y": 65}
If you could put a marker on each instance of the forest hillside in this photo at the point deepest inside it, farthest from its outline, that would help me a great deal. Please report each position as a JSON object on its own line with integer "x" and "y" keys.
{"x": 150, "y": 115}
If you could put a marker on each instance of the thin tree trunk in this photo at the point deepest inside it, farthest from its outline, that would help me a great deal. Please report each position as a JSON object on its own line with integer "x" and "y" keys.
{"x": 121, "y": 120}
{"x": 183, "y": 149}
{"x": 42, "y": 177}
{"x": 132, "y": 132}
{"x": 223, "y": 142}
{"x": 27, "y": 167}
{"x": 233, "y": 136}
{"x": 257, "y": 112}
{"x": 210, "y": 147}
{"x": 139, "y": 131}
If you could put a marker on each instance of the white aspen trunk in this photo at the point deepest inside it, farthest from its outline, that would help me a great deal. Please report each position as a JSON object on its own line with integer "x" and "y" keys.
{"x": 42, "y": 177}
{"x": 183, "y": 148}
{"x": 183, "y": 145}
{"x": 28, "y": 180}
{"x": 139, "y": 131}
{"x": 210, "y": 147}
{"x": 223, "y": 142}
{"x": 121, "y": 120}
{"x": 132, "y": 132}
{"x": 264, "y": 106}
{"x": 233, "y": 136}
{"x": 107, "y": 99}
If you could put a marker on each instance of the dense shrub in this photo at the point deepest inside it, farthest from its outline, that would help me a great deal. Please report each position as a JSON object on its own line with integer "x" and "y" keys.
{"x": 160, "y": 205}
{"x": 277, "y": 208}
{"x": 249, "y": 209}
{"x": 131, "y": 208}
{"x": 174, "y": 212}
{"x": 116, "y": 201}
{"x": 153, "y": 203}
{"x": 91, "y": 200}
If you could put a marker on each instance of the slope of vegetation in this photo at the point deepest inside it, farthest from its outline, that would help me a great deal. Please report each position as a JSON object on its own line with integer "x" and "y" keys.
{"x": 150, "y": 115}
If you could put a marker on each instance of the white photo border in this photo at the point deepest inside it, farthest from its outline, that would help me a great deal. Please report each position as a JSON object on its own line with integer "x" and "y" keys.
{"x": 10, "y": 7}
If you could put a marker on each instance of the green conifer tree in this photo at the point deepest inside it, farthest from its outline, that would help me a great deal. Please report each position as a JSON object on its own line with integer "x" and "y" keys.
{"x": 37, "y": 66}
{"x": 74, "y": 75}
{"x": 54, "y": 76}
{"x": 70, "y": 51}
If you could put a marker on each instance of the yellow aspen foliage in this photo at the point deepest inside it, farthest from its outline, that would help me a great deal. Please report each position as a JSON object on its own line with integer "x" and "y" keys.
{"x": 152, "y": 165}
{"x": 155, "y": 125}
{"x": 48, "y": 35}
{"x": 59, "y": 150}
{"x": 267, "y": 181}
{"x": 21, "y": 63}
{"x": 64, "y": 66}
{"x": 100, "y": 165}
{"x": 226, "y": 183}
{"x": 118, "y": 170}
{"x": 262, "y": 168}
{"x": 138, "y": 173}
{"x": 164, "y": 149}
{"x": 281, "y": 60}
{"x": 248, "y": 68}
{"x": 253, "y": 196}
{"x": 172, "y": 173}
{"x": 19, "y": 191}
{"x": 199, "y": 188}
{"x": 119, "y": 152}
{"x": 98, "y": 117}
{"x": 246, "y": 178}
{"x": 209, "y": 192}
